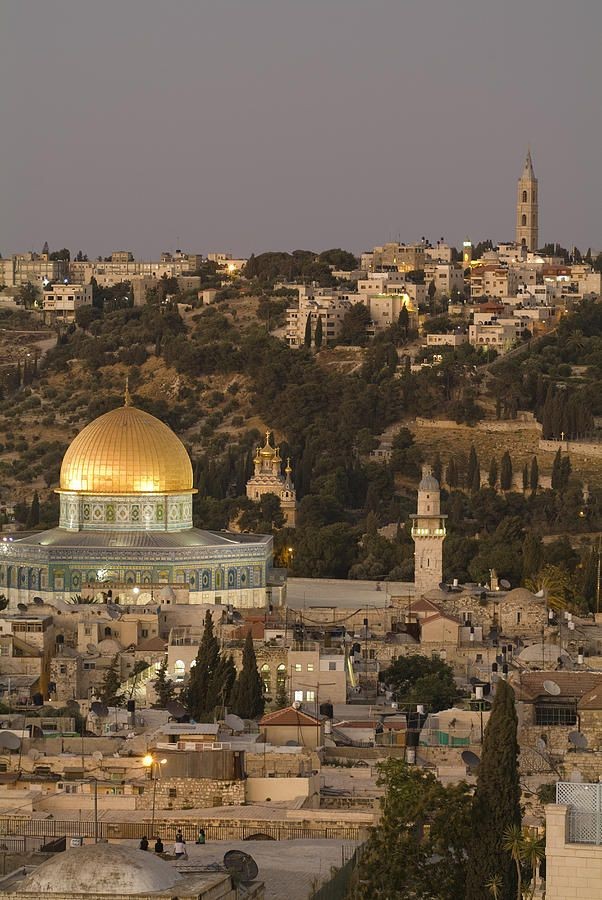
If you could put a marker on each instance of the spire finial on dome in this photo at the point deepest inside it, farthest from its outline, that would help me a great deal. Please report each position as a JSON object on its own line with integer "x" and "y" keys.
{"x": 127, "y": 398}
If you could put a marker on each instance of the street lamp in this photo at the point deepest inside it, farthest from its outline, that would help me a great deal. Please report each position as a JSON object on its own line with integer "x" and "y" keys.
{"x": 151, "y": 764}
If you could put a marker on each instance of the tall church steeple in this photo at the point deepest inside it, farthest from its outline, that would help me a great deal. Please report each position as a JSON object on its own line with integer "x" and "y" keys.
{"x": 527, "y": 224}
{"x": 428, "y": 532}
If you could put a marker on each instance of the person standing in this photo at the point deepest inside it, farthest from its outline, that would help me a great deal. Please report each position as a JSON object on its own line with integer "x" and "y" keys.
{"x": 144, "y": 843}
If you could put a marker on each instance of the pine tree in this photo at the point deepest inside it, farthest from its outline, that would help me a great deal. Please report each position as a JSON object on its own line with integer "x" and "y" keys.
{"x": 307, "y": 337}
{"x": 506, "y": 472}
{"x": 534, "y": 475}
{"x": 492, "y": 477}
{"x": 318, "y": 334}
{"x": 201, "y": 693}
{"x": 164, "y": 688}
{"x": 33, "y": 518}
{"x": 496, "y": 804}
{"x": 473, "y": 464}
{"x": 111, "y": 685}
{"x": 247, "y": 699}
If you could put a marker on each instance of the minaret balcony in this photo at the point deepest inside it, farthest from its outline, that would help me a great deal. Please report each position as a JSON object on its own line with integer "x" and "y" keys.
{"x": 428, "y": 532}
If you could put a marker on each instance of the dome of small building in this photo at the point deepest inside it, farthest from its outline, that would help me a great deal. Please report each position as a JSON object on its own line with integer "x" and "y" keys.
{"x": 110, "y": 869}
{"x": 126, "y": 451}
{"x": 428, "y": 482}
{"x": 520, "y": 595}
{"x": 109, "y": 647}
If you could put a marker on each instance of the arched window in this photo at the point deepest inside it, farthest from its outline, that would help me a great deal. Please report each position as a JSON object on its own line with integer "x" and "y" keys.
{"x": 523, "y": 220}
{"x": 266, "y": 677}
{"x": 107, "y": 632}
{"x": 281, "y": 675}
{"x": 524, "y": 196}
{"x": 179, "y": 668}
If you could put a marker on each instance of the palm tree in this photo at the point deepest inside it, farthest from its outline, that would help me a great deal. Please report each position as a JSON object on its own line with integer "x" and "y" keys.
{"x": 554, "y": 582}
{"x": 494, "y": 887}
{"x": 513, "y": 844}
{"x": 533, "y": 852}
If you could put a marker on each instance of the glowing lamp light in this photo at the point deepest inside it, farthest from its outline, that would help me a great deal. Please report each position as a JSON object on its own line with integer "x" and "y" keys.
{"x": 147, "y": 760}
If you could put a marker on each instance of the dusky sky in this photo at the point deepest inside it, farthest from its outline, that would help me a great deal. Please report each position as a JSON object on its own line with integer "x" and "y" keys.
{"x": 250, "y": 125}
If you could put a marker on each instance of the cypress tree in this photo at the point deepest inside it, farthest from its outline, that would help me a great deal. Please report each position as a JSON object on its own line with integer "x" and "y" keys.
{"x": 318, "y": 334}
{"x": 565, "y": 471}
{"x": 473, "y": 464}
{"x": 307, "y": 337}
{"x": 437, "y": 467}
{"x": 496, "y": 804}
{"x": 557, "y": 471}
{"x": 475, "y": 484}
{"x": 506, "y": 472}
{"x": 200, "y": 694}
{"x": 225, "y": 678}
{"x": 451, "y": 475}
{"x": 164, "y": 688}
{"x": 532, "y": 555}
{"x": 33, "y": 518}
{"x": 247, "y": 699}
{"x": 492, "y": 477}
{"x": 534, "y": 475}
{"x": 590, "y": 578}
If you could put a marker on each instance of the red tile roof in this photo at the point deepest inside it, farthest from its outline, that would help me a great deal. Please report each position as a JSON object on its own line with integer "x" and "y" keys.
{"x": 289, "y": 716}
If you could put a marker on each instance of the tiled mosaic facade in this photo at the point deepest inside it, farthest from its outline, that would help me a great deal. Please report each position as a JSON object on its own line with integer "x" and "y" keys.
{"x": 145, "y": 512}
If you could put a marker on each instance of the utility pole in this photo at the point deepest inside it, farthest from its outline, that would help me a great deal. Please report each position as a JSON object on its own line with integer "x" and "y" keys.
{"x": 598, "y": 579}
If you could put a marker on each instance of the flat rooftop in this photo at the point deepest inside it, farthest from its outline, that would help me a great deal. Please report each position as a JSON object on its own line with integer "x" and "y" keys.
{"x": 303, "y": 593}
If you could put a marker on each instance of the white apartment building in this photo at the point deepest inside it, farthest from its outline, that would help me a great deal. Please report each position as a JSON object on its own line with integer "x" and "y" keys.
{"x": 60, "y": 302}
{"x": 123, "y": 267}
{"x": 34, "y": 267}
{"x": 317, "y": 676}
{"x": 448, "y": 278}
{"x": 493, "y": 281}
{"x": 441, "y": 252}
{"x": 453, "y": 339}
{"x": 328, "y": 307}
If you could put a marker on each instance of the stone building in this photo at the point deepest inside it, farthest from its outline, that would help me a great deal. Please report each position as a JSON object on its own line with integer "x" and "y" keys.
{"x": 268, "y": 479}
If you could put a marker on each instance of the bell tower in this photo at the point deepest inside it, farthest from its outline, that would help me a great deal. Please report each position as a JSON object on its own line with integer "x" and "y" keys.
{"x": 527, "y": 224}
{"x": 428, "y": 532}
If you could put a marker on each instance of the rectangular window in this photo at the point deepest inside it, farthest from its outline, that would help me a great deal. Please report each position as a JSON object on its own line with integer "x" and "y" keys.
{"x": 564, "y": 713}
{"x": 172, "y": 793}
{"x": 297, "y": 667}
{"x": 310, "y": 667}
{"x": 332, "y": 667}
{"x": 310, "y": 695}
{"x": 298, "y": 696}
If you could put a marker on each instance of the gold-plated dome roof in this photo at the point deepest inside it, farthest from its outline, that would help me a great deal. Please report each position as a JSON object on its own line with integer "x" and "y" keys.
{"x": 126, "y": 451}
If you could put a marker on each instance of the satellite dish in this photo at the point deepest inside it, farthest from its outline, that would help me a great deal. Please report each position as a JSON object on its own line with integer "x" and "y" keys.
{"x": 470, "y": 759}
{"x": 22, "y": 607}
{"x": 241, "y": 865}
{"x": 550, "y": 687}
{"x": 34, "y": 754}
{"x": 540, "y": 594}
{"x": 9, "y": 741}
{"x": 38, "y": 601}
{"x": 443, "y": 586}
{"x": 92, "y": 648}
{"x": 175, "y": 709}
{"x": 578, "y": 740}
{"x": 97, "y": 755}
{"x": 73, "y": 706}
{"x": 114, "y": 611}
{"x": 234, "y": 722}
{"x": 292, "y": 744}
{"x": 505, "y": 584}
{"x": 99, "y": 709}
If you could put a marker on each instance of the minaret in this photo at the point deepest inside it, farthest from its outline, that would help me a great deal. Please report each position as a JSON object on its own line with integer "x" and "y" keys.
{"x": 428, "y": 532}
{"x": 527, "y": 225}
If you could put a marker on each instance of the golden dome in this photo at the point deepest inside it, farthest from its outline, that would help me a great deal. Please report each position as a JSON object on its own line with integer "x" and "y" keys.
{"x": 126, "y": 451}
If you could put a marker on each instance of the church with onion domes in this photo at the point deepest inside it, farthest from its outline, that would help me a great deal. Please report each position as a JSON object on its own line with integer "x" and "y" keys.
{"x": 268, "y": 479}
{"x": 125, "y": 530}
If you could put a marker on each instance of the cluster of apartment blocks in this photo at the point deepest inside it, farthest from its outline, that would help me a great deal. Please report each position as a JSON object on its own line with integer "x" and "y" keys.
{"x": 531, "y": 290}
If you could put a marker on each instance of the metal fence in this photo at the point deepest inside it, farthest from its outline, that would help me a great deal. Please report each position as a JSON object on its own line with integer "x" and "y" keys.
{"x": 20, "y": 828}
{"x": 336, "y": 888}
{"x": 585, "y": 811}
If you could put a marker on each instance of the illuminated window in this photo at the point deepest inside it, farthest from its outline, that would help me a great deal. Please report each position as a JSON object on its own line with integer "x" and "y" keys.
{"x": 310, "y": 695}
{"x": 298, "y": 696}
{"x": 297, "y": 667}
{"x": 266, "y": 677}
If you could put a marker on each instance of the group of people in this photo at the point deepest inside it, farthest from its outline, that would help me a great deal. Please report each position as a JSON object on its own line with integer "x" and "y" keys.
{"x": 179, "y": 845}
